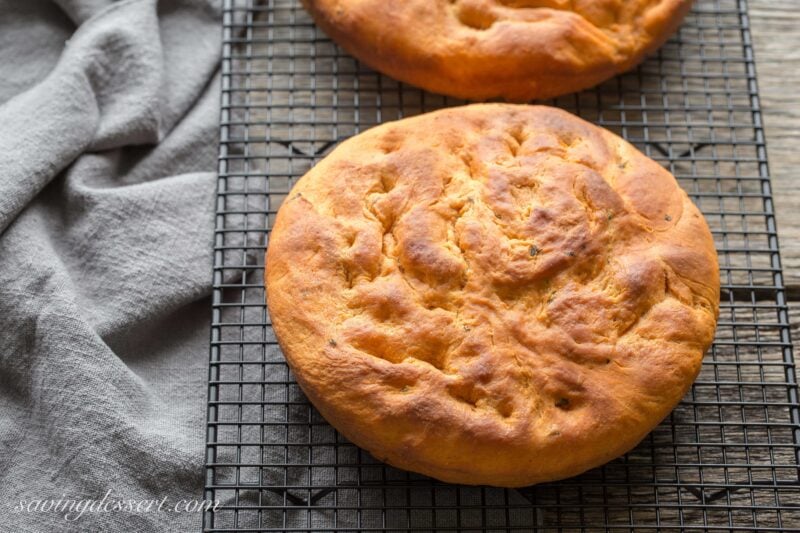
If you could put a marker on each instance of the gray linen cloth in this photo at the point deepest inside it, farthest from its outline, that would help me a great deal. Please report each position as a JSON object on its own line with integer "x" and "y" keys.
{"x": 108, "y": 128}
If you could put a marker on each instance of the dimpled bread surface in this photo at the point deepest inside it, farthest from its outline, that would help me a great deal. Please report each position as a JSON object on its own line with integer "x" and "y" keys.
{"x": 493, "y": 294}
{"x": 514, "y": 49}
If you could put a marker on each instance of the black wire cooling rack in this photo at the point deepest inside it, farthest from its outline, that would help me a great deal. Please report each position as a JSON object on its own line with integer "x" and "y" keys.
{"x": 725, "y": 460}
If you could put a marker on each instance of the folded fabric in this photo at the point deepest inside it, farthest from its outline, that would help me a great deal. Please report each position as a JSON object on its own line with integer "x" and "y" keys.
{"x": 108, "y": 128}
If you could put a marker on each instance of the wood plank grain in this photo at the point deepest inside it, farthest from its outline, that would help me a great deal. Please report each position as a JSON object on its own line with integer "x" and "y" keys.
{"x": 775, "y": 27}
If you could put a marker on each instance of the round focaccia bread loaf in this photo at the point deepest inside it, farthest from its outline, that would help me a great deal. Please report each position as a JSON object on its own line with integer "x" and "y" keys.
{"x": 492, "y": 294}
{"x": 515, "y": 49}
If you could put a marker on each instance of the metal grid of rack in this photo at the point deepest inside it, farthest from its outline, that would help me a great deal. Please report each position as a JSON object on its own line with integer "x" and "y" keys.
{"x": 725, "y": 460}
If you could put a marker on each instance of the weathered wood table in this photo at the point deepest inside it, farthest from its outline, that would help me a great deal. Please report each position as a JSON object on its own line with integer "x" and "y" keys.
{"x": 775, "y": 26}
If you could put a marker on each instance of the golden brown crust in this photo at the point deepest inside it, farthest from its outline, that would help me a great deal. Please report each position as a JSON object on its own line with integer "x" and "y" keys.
{"x": 493, "y": 294}
{"x": 515, "y": 49}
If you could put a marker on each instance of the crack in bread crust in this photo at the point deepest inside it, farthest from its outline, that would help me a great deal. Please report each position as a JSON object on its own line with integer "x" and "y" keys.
{"x": 516, "y": 49}
{"x": 499, "y": 277}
